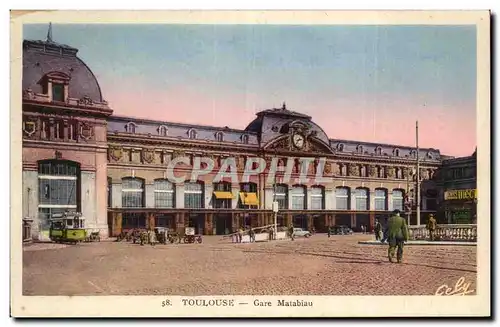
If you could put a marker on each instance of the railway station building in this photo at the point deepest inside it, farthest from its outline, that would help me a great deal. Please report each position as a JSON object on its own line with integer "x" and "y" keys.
{"x": 77, "y": 155}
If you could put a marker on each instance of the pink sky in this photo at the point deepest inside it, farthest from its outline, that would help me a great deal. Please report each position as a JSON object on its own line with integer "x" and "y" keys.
{"x": 389, "y": 121}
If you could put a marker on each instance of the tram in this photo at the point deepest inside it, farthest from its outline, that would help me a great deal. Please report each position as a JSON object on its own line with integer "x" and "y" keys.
{"x": 68, "y": 227}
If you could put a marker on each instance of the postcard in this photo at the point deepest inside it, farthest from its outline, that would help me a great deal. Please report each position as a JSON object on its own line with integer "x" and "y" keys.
{"x": 250, "y": 164}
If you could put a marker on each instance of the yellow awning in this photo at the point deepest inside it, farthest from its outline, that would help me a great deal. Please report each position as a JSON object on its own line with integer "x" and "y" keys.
{"x": 223, "y": 195}
{"x": 249, "y": 199}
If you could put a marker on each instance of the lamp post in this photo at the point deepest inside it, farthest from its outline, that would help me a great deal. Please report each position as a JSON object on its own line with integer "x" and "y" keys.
{"x": 418, "y": 175}
{"x": 275, "y": 205}
{"x": 409, "y": 200}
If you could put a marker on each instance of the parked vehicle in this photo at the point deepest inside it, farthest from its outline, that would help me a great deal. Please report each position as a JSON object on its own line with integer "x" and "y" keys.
{"x": 299, "y": 232}
{"x": 68, "y": 227}
{"x": 340, "y": 230}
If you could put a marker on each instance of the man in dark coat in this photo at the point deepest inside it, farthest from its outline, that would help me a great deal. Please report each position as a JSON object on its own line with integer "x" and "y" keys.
{"x": 397, "y": 234}
{"x": 378, "y": 230}
{"x": 431, "y": 226}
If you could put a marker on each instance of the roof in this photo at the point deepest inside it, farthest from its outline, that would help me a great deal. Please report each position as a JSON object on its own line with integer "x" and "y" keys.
{"x": 43, "y": 57}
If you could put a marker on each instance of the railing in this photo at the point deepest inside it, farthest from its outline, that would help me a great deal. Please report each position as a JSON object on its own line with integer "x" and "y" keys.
{"x": 448, "y": 232}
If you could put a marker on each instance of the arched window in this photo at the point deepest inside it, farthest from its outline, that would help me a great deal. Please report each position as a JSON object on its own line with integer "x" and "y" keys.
{"x": 110, "y": 192}
{"x": 342, "y": 195}
{"x": 298, "y": 193}
{"x": 219, "y": 136}
{"x": 413, "y": 153}
{"x": 163, "y": 130}
{"x": 222, "y": 195}
{"x": 362, "y": 202}
{"x": 397, "y": 199}
{"x": 58, "y": 189}
{"x": 317, "y": 198}
{"x": 164, "y": 193}
{"x": 396, "y": 152}
{"x": 281, "y": 195}
{"x": 340, "y": 147}
{"x": 429, "y": 155}
{"x": 359, "y": 148}
{"x": 132, "y": 192}
{"x": 380, "y": 199}
{"x": 192, "y": 134}
{"x": 378, "y": 151}
{"x": 193, "y": 195}
{"x": 130, "y": 127}
{"x": 244, "y": 139}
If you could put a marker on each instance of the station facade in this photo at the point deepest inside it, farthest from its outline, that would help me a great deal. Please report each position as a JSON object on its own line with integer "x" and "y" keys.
{"x": 78, "y": 156}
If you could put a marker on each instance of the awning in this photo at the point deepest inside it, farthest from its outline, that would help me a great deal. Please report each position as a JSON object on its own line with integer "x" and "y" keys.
{"x": 249, "y": 199}
{"x": 223, "y": 195}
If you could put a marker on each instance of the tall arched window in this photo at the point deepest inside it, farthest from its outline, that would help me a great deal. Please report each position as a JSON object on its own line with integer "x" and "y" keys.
{"x": 132, "y": 192}
{"x": 281, "y": 195}
{"x": 130, "y": 127}
{"x": 317, "y": 198}
{"x": 342, "y": 198}
{"x": 396, "y": 152}
{"x": 193, "y": 195}
{"x": 397, "y": 199}
{"x": 298, "y": 193}
{"x": 164, "y": 193}
{"x": 58, "y": 189}
{"x": 362, "y": 201}
{"x": 380, "y": 199}
{"x": 244, "y": 139}
{"x": 378, "y": 151}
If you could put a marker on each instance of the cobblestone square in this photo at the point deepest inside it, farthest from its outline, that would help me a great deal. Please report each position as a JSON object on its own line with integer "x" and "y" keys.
{"x": 315, "y": 266}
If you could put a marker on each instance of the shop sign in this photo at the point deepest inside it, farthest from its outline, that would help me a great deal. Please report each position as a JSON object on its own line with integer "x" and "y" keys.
{"x": 466, "y": 194}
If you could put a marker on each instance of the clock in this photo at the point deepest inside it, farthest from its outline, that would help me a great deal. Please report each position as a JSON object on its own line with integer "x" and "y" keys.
{"x": 298, "y": 141}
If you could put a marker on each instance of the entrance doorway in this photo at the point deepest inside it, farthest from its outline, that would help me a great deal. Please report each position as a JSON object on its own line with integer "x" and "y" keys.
{"x": 223, "y": 224}
{"x": 319, "y": 223}
{"x": 197, "y": 221}
{"x": 300, "y": 221}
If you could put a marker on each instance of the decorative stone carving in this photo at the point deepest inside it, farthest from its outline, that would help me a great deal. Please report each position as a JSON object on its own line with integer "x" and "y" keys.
{"x": 177, "y": 153}
{"x": 28, "y": 94}
{"x": 240, "y": 162}
{"x": 406, "y": 172}
{"x": 328, "y": 168}
{"x": 424, "y": 174}
{"x": 115, "y": 153}
{"x": 29, "y": 127}
{"x": 283, "y": 144}
{"x": 353, "y": 170}
{"x": 85, "y": 101}
{"x": 148, "y": 155}
{"x": 86, "y": 131}
{"x": 372, "y": 171}
{"x": 391, "y": 172}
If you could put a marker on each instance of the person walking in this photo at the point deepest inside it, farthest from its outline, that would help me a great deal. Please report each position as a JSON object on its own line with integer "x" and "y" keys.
{"x": 378, "y": 230}
{"x": 251, "y": 233}
{"x": 397, "y": 234}
{"x": 290, "y": 232}
{"x": 431, "y": 227}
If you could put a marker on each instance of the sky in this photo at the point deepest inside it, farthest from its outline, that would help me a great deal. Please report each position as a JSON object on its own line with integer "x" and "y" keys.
{"x": 366, "y": 83}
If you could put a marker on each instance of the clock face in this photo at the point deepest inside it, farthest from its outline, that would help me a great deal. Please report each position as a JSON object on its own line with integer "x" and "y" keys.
{"x": 298, "y": 140}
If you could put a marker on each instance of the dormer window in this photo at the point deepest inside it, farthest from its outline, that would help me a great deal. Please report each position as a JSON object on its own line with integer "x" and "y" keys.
{"x": 413, "y": 153}
{"x": 378, "y": 151}
{"x": 192, "y": 134}
{"x": 219, "y": 136}
{"x": 359, "y": 148}
{"x": 429, "y": 155}
{"x": 244, "y": 139}
{"x": 163, "y": 130}
{"x": 396, "y": 152}
{"x": 130, "y": 127}
{"x": 58, "y": 92}
{"x": 340, "y": 147}
{"x": 55, "y": 85}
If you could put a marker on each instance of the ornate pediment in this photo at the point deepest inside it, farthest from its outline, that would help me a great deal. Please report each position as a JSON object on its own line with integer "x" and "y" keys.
{"x": 300, "y": 143}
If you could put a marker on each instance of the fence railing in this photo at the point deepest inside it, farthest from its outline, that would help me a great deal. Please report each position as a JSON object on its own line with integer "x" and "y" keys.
{"x": 448, "y": 232}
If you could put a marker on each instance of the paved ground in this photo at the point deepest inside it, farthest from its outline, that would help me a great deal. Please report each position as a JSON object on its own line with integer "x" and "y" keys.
{"x": 315, "y": 266}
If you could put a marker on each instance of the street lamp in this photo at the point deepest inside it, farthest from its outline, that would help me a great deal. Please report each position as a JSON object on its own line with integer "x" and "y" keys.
{"x": 409, "y": 201}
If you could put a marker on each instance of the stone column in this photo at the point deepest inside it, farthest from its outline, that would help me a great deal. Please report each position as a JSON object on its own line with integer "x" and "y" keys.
{"x": 288, "y": 219}
{"x": 310, "y": 222}
{"x": 327, "y": 220}
{"x": 372, "y": 221}
{"x": 235, "y": 221}
{"x": 117, "y": 223}
{"x": 116, "y": 195}
{"x": 179, "y": 196}
{"x": 333, "y": 220}
{"x": 150, "y": 195}
{"x": 353, "y": 220}
{"x": 208, "y": 224}
{"x": 151, "y": 221}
